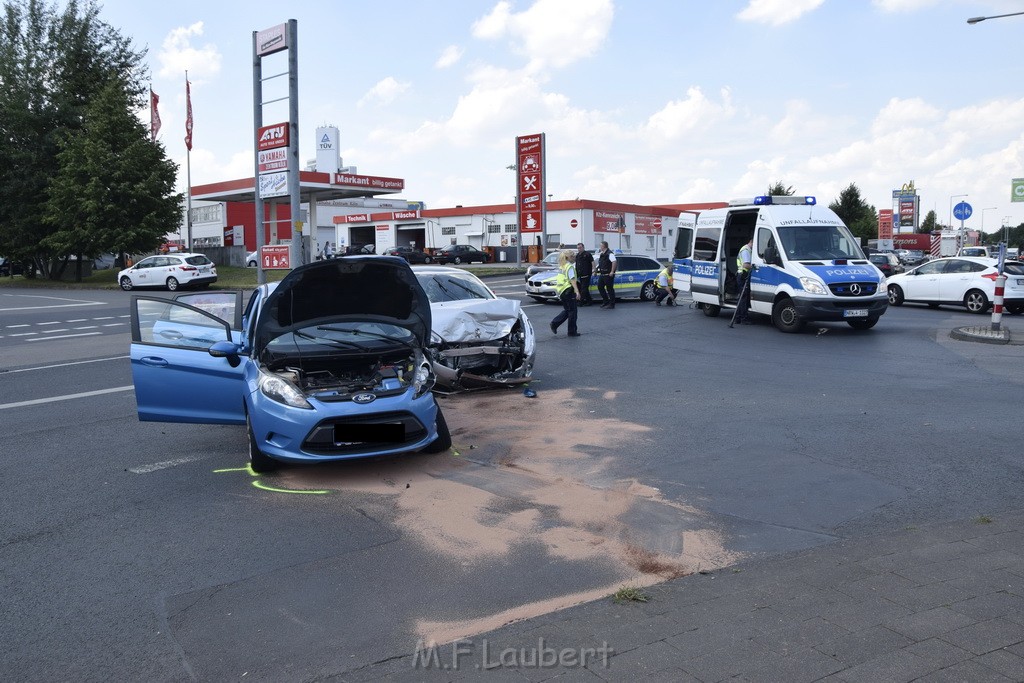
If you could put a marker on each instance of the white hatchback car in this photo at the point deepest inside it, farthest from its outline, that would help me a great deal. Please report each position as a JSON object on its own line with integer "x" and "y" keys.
{"x": 960, "y": 281}
{"x": 172, "y": 271}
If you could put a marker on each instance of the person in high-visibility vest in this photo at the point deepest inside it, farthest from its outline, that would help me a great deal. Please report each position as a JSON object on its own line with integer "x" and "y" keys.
{"x": 664, "y": 286}
{"x": 568, "y": 292}
{"x": 742, "y": 278}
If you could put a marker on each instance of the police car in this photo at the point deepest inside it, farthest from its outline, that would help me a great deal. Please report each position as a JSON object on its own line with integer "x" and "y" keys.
{"x": 635, "y": 277}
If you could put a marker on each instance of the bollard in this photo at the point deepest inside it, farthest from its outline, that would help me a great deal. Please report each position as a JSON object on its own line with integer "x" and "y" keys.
{"x": 997, "y": 304}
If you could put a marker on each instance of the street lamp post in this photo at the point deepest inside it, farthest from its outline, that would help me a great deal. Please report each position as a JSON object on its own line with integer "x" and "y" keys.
{"x": 975, "y": 20}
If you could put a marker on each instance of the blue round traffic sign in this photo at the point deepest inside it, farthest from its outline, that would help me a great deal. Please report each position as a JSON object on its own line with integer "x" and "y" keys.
{"x": 962, "y": 211}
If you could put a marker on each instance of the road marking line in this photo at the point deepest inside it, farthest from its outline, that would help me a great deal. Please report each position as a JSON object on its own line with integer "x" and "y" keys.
{"x": 87, "y": 327}
{"x": 36, "y": 308}
{"x": 55, "y": 322}
{"x": 112, "y": 324}
{"x": 76, "y": 320}
{"x": 106, "y": 317}
{"x": 59, "y": 329}
{"x": 66, "y": 397}
{"x": 64, "y": 336}
{"x": 11, "y": 327}
{"x": 22, "y": 334}
{"x": 64, "y": 365}
{"x": 146, "y": 469}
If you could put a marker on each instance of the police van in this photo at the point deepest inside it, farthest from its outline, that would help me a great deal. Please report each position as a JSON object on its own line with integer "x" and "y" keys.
{"x": 806, "y": 265}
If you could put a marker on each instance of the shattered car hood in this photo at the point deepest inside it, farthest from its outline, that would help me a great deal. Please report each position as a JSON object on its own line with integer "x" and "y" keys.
{"x": 347, "y": 289}
{"x": 474, "y": 319}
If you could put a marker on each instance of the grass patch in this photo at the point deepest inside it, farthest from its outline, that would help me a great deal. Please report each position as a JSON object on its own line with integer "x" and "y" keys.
{"x": 629, "y": 594}
{"x": 982, "y": 519}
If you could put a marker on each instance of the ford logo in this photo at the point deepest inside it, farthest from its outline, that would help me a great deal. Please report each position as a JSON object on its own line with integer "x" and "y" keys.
{"x": 363, "y": 399}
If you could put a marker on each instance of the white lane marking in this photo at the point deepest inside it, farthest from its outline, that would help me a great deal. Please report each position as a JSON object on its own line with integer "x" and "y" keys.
{"x": 106, "y": 317}
{"x": 66, "y": 397}
{"x": 76, "y": 320}
{"x": 55, "y": 322}
{"x": 146, "y": 469}
{"x": 112, "y": 324}
{"x": 59, "y": 329}
{"x": 64, "y": 336}
{"x": 22, "y": 334}
{"x": 86, "y": 327}
{"x": 11, "y": 327}
{"x": 65, "y": 365}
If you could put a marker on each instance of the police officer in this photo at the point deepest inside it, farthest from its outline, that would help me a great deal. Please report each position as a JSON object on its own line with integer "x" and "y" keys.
{"x": 584, "y": 271}
{"x": 606, "y": 276}
{"x": 568, "y": 292}
{"x": 664, "y": 286}
{"x": 742, "y": 278}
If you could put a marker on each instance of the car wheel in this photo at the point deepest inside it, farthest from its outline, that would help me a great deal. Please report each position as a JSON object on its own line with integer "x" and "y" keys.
{"x": 1015, "y": 309}
{"x": 895, "y": 295}
{"x": 444, "y": 437}
{"x": 784, "y": 316}
{"x": 427, "y": 259}
{"x": 647, "y": 291}
{"x": 126, "y": 283}
{"x": 250, "y": 264}
{"x": 711, "y": 310}
{"x": 172, "y": 284}
{"x": 457, "y": 260}
{"x": 258, "y": 461}
{"x": 862, "y": 324}
{"x": 976, "y": 301}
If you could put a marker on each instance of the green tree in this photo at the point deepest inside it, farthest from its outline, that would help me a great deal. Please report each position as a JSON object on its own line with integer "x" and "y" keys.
{"x": 859, "y": 216}
{"x": 779, "y": 189}
{"x": 929, "y": 223}
{"x": 114, "y": 189}
{"x": 52, "y": 63}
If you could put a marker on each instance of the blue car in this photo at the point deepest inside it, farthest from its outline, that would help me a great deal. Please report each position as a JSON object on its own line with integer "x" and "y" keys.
{"x": 328, "y": 364}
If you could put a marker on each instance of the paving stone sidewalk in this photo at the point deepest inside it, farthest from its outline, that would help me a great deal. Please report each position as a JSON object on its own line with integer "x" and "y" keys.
{"x": 928, "y": 604}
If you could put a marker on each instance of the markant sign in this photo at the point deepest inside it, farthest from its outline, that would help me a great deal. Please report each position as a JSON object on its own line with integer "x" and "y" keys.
{"x": 1017, "y": 190}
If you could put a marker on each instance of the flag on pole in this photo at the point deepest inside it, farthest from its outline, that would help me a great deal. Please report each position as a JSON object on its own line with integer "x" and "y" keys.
{"x": 154, "y": 115}
{"x": 188, "y": 117}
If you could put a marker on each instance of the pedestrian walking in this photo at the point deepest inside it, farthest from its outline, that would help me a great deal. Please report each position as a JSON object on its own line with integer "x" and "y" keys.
{"x": 606, "y": 276}
{"x": 568, "y": 292}
{"x": 584, "y": 272}
{"x": 328, "y": 251}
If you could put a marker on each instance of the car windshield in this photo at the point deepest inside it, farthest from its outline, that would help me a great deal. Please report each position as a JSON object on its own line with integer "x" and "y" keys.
{"x": 442, "y": 287}
{"x": 818, "y": 242}
{"x": 357, "y": 336}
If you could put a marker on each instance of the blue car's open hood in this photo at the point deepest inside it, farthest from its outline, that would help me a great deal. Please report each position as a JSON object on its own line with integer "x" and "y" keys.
{"x": 351, "y": 288}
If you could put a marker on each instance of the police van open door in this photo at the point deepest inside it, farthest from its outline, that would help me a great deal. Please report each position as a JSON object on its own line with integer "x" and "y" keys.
{"x": 806, "y": 265}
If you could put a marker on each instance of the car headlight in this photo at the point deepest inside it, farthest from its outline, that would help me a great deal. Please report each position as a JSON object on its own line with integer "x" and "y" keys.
{"x": 281, "y": 390}
{"x": 812, "y": 286}
{"x": 423, "y": 380}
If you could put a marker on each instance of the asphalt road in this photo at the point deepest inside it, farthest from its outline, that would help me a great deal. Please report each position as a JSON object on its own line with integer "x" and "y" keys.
{"x": 661, "y": 438}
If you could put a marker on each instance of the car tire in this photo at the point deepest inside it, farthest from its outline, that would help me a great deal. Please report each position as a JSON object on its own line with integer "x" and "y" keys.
{"x": 976, "y": 301}
{"x": 250, "y": 264}
{"x": 126, "y": 283}
{"x": 444, "y": 437}
{"x": 457, "y": 260}
{"x": 785, "y": 317}
{"x": 1015, "y": 309}
{"x": 258, "y": 460}
{"x": 862, "y": 324}
{"x": 647, "y": 291}
{"x": 711, "y": 310}
{"x": 172, "y": 284}
{"x": 427, "y": 259}
{"x": 895, "y": 295}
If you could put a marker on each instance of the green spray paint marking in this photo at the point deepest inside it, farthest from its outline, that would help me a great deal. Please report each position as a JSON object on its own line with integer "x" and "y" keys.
{"x": 257, "y": 484}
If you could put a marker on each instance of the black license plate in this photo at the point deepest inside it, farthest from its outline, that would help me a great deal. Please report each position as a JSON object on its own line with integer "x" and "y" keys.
{"x": 369, "y": 433}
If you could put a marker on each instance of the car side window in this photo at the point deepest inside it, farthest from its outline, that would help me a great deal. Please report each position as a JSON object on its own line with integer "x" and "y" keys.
{"x": 958, "y": 266}
{"x": 171, "y": 323}
{"x": 932, "y": 268}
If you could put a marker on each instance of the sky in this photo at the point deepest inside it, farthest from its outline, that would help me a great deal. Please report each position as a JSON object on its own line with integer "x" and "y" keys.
{"x": 641, "y": 101}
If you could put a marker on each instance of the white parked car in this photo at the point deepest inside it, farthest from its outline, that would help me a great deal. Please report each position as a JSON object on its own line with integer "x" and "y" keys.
{"x": 477, "y": 339}
{"x": 172, "y": 271}
{"x": 251, "y": 260}
{"x": 959, "y": 281}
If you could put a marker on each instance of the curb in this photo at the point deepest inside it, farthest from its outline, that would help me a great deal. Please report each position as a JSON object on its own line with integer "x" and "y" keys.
{"x": 984, "y": 335}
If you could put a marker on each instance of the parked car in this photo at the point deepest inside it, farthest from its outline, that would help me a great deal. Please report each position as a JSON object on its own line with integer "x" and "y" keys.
{"x": 169, "y": 270}
{"x": 549, "y": 262}
{"x": 914, "y": 257}
{"x": 252, "y": 260}
{"x": 961, "y": 281}
{"x": 357, "y": 250}
{"x": 478, "y": 339}
{"x": 460, "y": 253}
{"x": 328, "y": 364}
{"x": 409, "y": 254}
{"x": 635, "y": 276}
{"x": 985, "y": 252}
{"x": 8, "y": 267}
{"x": 886, "y": 262}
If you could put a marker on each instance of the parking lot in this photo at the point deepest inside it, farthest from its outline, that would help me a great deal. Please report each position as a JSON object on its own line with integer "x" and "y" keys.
{"x": 659, "y": 443}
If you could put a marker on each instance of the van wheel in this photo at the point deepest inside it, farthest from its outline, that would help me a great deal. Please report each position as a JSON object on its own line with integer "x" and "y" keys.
{"x": 711, "y": 310}
{"x": 785, "y": 317}
{"x": 258, "y": 461}
{"x": 865, "y": 324}
{"x": 895, "y": 295}
{"x": 647, "y": 291}
{"x": 444, "y": 437}
{"x": 976, "y": 301}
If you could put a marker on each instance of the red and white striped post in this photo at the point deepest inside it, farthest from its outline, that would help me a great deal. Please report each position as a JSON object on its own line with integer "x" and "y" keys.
{"x": 997, "y": 304}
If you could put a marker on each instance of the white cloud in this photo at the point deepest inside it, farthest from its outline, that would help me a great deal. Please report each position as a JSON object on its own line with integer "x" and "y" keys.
{"x": 177, "y": 55}
{"x": 680, "y": 117}
{"x": 903, "y": 5}
{"x": 551, "y": 33}
{"x": 777, "y": 12}
{"x": 449, "y": 57}
{"x": 385, "y": 91}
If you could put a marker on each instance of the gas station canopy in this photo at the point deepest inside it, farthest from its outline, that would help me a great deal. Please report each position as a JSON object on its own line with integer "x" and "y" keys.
{"x": 313, "y": 186}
